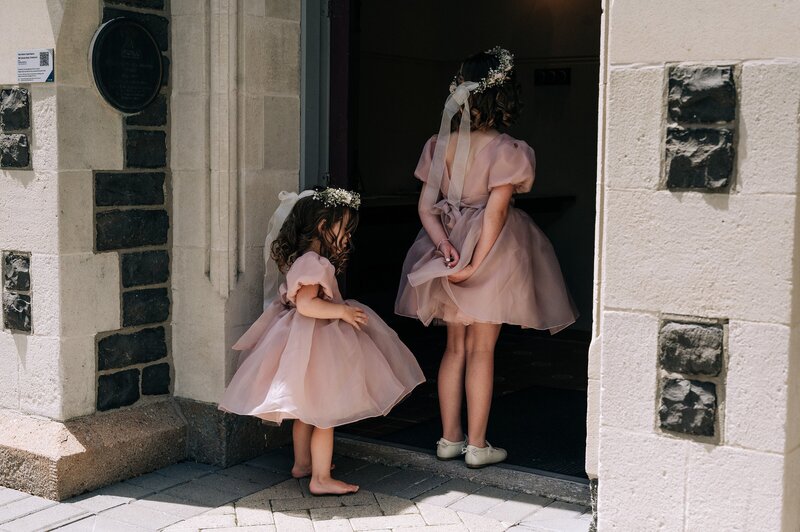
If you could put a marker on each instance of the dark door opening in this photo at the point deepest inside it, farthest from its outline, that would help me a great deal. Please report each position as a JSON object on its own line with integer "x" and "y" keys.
{"x": 391, "y": 64}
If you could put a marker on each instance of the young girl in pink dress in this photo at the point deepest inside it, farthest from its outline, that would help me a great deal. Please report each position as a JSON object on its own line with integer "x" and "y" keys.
{"x": 478, "y": 262}
{"x": 312, "y": 356}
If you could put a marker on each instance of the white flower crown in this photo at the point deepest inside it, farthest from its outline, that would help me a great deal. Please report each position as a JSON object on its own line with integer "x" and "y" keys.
{"x": 333, "y": 197}
{"x": 496, "y": 76}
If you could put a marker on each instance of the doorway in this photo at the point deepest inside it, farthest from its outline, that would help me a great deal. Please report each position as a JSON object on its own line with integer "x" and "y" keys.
{"x": 391, "y": 64}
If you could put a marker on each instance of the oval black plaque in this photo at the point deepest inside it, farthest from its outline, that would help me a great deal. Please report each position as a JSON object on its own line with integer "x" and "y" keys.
{"x": 126, "y": 64}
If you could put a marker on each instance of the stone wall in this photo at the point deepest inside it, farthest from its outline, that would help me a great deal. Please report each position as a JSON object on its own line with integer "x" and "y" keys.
{"x": 693, "y": 374}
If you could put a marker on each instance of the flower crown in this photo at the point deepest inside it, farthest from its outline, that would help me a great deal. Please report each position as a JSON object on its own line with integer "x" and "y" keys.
{"x": 333, "y": 197}
{"x": 496, "y": 76}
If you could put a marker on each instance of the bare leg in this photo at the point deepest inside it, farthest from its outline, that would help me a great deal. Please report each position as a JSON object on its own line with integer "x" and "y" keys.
{"x": 451, "y": 383}
{"x": 480, "y": 341}
{"x": 321, "y": 455}
{"x": 301, "y": 441}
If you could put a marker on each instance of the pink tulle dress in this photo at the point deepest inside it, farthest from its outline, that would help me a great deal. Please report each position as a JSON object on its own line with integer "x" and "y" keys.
{"x": 322, "y": 372}
{"x": 519, "y": 282}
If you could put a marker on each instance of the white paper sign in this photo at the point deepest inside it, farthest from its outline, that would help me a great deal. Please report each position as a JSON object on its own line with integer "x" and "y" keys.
{"x": 35, "y": 66}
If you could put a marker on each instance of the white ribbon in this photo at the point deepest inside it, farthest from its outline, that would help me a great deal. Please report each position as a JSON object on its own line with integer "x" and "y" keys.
{"x": 458, "y": 100}
{"x": 272, "y": 275}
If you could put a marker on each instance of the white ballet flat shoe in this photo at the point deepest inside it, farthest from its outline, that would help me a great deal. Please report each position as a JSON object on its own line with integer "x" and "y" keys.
{"x": 447, "y": 450}
{"x": 477, "y": 457}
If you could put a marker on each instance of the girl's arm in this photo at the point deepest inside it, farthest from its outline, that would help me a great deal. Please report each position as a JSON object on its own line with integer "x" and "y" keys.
{"x": 437, "y": 234}
{"x": 308, "y": 303}
{"x": 494, "y": 218}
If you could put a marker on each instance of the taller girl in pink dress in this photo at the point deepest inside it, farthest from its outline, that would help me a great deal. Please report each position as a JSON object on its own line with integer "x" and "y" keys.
{"x": 478, "y": 262}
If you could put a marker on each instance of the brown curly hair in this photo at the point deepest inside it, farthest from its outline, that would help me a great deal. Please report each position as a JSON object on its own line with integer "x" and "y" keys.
{"x": 496, "y": 107}
{"x": 301, "y": 228}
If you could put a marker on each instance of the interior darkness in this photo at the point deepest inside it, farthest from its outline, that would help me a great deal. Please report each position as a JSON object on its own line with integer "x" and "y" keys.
{"x": 401, "y": 60}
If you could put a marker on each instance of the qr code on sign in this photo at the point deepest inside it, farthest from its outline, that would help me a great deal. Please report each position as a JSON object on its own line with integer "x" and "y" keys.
{"x": 44, "y": 59}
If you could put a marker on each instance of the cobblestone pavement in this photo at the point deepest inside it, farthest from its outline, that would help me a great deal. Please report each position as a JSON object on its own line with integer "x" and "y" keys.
{"x": 259, "y": 495}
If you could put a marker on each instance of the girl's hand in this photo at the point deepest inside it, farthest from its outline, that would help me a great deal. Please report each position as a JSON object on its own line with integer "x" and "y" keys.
{"x": 354, "y": 316}
{"x": 463, "y": 275}
{"x": 449, "y": 254}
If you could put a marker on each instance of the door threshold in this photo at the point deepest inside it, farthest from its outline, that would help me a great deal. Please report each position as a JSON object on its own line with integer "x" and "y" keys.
{"x": 522, "y": 479}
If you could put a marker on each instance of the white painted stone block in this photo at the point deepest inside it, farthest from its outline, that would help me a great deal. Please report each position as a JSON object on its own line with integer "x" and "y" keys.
{"x": 282, "y": 132}
{"x": 189, "y": 208}
{"x": 17, "y": 15}
{"x": 253, "y": 135}
{"x": 655, "y": 32}
{"x": 189, "y": 138}
{"x": 28, "y": 207}
{"x": 635, "y": 126}
{"x": 193, "y": 296}
{"x": 185, "y": 7}
{"x": 78, "y": 25}
{"x": 89, "y": 131}
{"x": 642, "y": 479}
{"x": 629, "y": 371}
{"x": 261, "y": 199}
{"x": 271, "y": 56}
{"x": 793, "y": 392}
{"x": 284, "y": 9}
{"x": 593, "y": 406}
{"x": 700, "y": 254}
{"x": 44, "y": 123}
{"x": 791, "y": 494}
{"x": 733, "y": 489}
{"x": 77, "y": 375}
{"x": 40, "y": 387}
{"x": 768, "y": 127}
{"x": 46, "y": 312}
{"x": 255, "y": 8}
{"x": 199, "y": 344}
{"x": 10, "y": 344}
{"x": 189, "y": 47}
{"x": 90, "y": 293}
{"x": 75, "y": 217}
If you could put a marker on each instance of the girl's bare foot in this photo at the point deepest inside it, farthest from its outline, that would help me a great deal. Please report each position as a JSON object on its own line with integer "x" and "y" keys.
{"x": 330, "y": 486}
{"x": 301, "y": 471}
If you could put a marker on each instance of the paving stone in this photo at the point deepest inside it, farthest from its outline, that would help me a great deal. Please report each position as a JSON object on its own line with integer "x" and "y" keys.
{"x": 370, "y": 476}
{"x": 346, "y": 464}
{"x": 480, "y": 523}
{"x": 257, "y": 528}
{"x": 401, "y": 481}
{"x": 289, "y": 489}
{"x": 204, "y": 520}
{"x": 345, "y": 512}
{"x": 360, "y": 498}
{"x": 395, "y": 505}
{"x": 99, "y": 523}
{"x": 436, "y": 515}
{"x": 279, "y": 461}
{"x": 228, "y": 484}
{"x": 518, "y": 508}
{"x": 187, "y": 470}
{"x": 254, "y": 515}
{"x": 253, "y": 474}
{"x": 305, "y": 503}
{"x": 22, "y": 507}
{"x": 435, "y": 528}
{"x": 558, "y": 516}
{"x": 448, "y": 493}
{"x": 333, "y": 525}
{"x": 202, "y": 493}
{"x": 418, "y": 489}
{"x": 109, "y": 497}
{"x": 293, "y": 522}
{"x": 8, "y": 495}
{"x": 140, "y": 516}
{"x": 49, "y": 518}
{"x": 386, "y": 521}
{"x": 482, "y": 500}
{"x": 169, "y": 504}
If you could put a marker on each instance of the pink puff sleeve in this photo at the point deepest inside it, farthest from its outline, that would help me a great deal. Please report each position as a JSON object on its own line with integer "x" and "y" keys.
{"x": 514, "y": 164}
{"x": 424, "y": 164}
{"x": 310, "y": 269}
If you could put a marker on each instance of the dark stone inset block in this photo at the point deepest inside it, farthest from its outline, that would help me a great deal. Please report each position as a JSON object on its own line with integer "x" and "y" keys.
{"x": 16, "y": 271}
{"x": 154, "y": 115}
{"x": 14, "y": 151}
{"x": 593, "y": 501}
{"x": 118, "y": 389}
{"x": 146, "y": 149}
{"x": 702, "y": 94}
{"x": 130, "y": 229}
{"x": 140, "y": 307}
{"x": 17, "y": 312}
{"x": 164, "y": 70}
{"x": 699, "y": 158}
{"x": 688, "y": 406}
{"x": 146, "y": 4}
{"x": 147, "y": 267}
{"x": 15, "y": 110}
{"x": 141, "y": 188}
{"x": 158, "y": 26}
{"x": 691, "y": 348}
{"x": 155, "y": 379}
{"x": 122, "y": 350}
